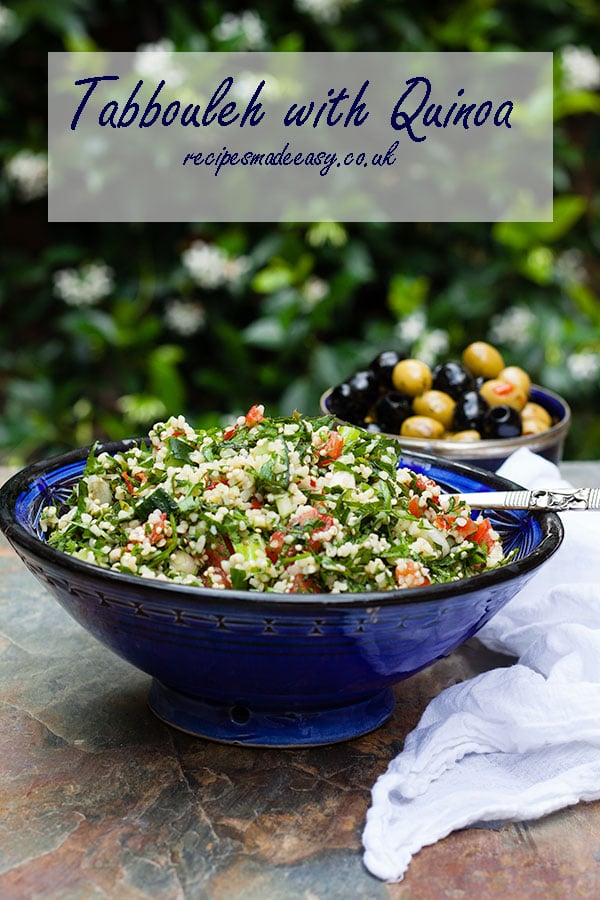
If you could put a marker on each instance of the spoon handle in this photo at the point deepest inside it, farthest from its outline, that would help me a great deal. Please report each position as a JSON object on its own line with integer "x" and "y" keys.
{"x": 557, "y": 500}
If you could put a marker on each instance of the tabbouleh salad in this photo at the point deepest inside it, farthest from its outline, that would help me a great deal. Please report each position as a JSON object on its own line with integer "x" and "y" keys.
{"x": 290, "y": 505}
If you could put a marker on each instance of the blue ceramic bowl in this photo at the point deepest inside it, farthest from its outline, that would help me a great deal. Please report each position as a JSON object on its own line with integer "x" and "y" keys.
{"x": 490, "y": 454}
{"x": 272, "y": 669}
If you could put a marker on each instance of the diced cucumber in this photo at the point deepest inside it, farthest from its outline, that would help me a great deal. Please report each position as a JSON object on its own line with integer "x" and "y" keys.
{"x": 285, "y": 505}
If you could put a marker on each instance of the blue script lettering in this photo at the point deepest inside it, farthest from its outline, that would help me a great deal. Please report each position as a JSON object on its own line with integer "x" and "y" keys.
{"x": 93, "y": 84}
{"x": 223, "y": 113}
{"x": 356, "y": 115}
{"x": 435, "y": 114}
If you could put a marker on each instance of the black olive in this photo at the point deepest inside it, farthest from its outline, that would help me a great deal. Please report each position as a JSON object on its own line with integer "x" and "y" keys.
{"x": 469, "y": 412}
{"x": 341, "y": 403}
{"x": 501, "y": 422}
{"x": 352, "y": 399}
{"x": 364, "y": 389}
{"x": 453, "y": 379}
{"x": 383, "y": 366}
{"x": 391, "y": 410}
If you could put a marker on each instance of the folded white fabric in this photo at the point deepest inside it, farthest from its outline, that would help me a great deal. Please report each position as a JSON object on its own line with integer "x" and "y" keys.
{"x": 513, "y": 743}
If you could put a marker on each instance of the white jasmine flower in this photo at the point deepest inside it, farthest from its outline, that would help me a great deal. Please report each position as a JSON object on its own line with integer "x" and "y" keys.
{"x": 185, "y": 318}
{"x": 581, "y": 68}
{"x": 8, "y": 21}
{"x": 158, "y": 60}
{"x": 411, "y": 327}
{"x": 236, "y": 268}
{"x": 210, "y": 267}
{"x": 432, "y": 345}
{"x": 205, "y": 263}
{"x": 512, "y": 326}
{"x": 584, "y": 366}
{"x": 328, "y": 11}
{"x": 570, "y": 265}
{"x": 247, "y": 26}
{"x": 314, "y": 290}
{"x": 28, "y": 172}
{"x": 84, "y": 286}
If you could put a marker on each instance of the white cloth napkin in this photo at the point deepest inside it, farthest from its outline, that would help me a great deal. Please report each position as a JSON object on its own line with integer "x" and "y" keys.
{"x": 513, "y": 743}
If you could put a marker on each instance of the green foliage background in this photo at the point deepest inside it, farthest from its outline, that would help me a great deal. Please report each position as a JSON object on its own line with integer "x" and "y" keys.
{"x": 310, "y": 303}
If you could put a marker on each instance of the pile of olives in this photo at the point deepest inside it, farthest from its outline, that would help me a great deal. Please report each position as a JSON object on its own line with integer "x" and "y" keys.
{"x": 477, "y": 398}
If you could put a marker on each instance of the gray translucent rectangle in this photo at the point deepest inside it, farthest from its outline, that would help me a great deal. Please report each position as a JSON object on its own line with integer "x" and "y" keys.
{"x": 224, "y": 137}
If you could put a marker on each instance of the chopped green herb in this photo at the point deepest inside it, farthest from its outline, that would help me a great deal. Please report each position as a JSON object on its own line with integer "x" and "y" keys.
{"x": 285, "y": 505}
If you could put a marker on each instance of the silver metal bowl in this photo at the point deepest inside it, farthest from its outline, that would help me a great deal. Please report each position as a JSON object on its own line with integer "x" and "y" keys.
{"x": 490, "y": 454}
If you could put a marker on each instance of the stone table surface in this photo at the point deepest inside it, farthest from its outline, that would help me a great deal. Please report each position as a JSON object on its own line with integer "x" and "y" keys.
{"x": 99, "y": 799}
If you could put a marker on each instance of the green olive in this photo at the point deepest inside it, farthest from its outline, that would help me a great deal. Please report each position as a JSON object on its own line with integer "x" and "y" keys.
{"x": 465, "y": 436}
{"x": 535, "y": 411}
{"x": 437, "y": 405}
{"x": 483, "y": 360}
{"x": 411, "y": 377}
{"x": 422, "y": 427}
{"x": 533, "y": 426}
{"x": 516, "y": 376}
{"x": 503, "y": 393}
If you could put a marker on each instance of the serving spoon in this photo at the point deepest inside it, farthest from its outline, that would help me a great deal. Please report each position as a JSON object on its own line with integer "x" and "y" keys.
{"x": 557, "y": 500}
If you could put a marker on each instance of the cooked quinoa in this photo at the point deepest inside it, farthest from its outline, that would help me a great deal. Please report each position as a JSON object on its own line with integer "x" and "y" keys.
{"x": 294, "y": 505}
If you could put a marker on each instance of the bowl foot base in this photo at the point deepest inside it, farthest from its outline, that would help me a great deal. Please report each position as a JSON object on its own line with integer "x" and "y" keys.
{"x": 239, "y": 723}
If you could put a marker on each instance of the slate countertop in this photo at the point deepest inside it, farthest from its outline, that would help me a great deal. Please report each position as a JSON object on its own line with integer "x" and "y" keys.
{"x": 100, "y": 800}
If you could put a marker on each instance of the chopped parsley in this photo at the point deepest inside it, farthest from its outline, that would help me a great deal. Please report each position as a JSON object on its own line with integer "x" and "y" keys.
{"x": 286, "y": 505}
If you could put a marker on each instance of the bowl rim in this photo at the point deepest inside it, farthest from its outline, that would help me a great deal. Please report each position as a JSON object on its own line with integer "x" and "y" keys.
{"x": 21, "y": 539}
{"x": 484, "y": 449}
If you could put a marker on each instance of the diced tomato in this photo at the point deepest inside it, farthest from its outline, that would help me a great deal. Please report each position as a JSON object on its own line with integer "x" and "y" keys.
{"x": 177, "y": 432}
{"x": 322, "y": 521}
{"x": 410, "y": 573}
{"x": 254, "y": 415}
{"x": 275, "y": 545}
{"x": 414, "y": 508}
{"x": 444, "y": 521}
{"x": 213, "y": 482}
{"x": 303, "y": 584}
{"x": 157, "y": 531}
{"x": 128, "y": 483}
{"x": 331, "y": 449}
{"x": 317, "y": 537}
{"x": 482, "y": 535}
{"x": 255, "y": 503}
{"x": 312, "y": 514}
{"x": 424, "y": 483}
{"x": 217, "y": 572}
{"x": 447, "y": 522}
{"x": 141, "y": 477}
{"x": 466, "y": 530}
{"x": 220, "y": 549}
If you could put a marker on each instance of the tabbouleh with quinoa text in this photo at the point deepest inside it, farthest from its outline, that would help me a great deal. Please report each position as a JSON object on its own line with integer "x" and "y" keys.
{"x": 290, "y": 505}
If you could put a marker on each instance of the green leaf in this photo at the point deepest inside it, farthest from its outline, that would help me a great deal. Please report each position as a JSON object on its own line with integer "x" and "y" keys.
{"x": 239, "y": 579}
{"x": 165, "y": 381}
{"x": 568, "y": 209}
{"x": 159, "y": 499}
{"x": 406, "y": 294}
{"x": 576, "y": 103}
{"x": 273, "y": 278}
{"x": 267, "y": 333}
{"x": 538, "y": 265}
{"x": 179, "y": 450}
